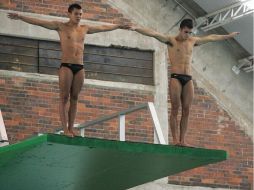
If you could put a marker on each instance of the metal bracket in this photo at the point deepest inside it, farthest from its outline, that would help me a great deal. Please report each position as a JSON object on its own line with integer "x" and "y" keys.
{"x": 245, "y": 65}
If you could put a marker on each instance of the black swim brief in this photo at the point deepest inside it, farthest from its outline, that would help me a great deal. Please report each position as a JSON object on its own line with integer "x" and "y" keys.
{"x": 73, "y": 67}
{"x": 182, "y": 78}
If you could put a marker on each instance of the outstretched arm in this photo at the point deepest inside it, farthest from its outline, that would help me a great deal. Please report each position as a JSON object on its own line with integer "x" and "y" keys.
{"x": 214, "y": 37}
{"x": 148, "y": 32}
{"x": 52, "y": 25}
{"x": 105, "y": 28}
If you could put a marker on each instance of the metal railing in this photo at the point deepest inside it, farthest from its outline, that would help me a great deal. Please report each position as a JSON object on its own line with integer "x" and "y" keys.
{"x": 121, "y": 121}
{"x": 3, "y": 134}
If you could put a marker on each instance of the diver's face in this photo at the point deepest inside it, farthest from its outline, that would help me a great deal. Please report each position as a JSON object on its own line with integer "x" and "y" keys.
{"x": 185, "y": 32}
{"x": 76, "y": 15}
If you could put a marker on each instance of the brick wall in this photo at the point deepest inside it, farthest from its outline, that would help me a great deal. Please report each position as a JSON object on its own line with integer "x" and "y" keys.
{"x": 29, "y": 106}
{"x": 96, "y": 10}
{"x": 211, "y": 127}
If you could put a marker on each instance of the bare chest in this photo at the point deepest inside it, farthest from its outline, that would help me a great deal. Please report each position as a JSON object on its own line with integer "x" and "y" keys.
{"x": 181, "y": 48}
{"x": 72, "y": 35}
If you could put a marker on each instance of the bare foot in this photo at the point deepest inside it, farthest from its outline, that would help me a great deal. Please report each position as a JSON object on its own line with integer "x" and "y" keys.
{"x": 73, "y": 133}
{"x": 176, "y": 142}
{"x": 68, "y": 133}
{"x": 184, "y": 144}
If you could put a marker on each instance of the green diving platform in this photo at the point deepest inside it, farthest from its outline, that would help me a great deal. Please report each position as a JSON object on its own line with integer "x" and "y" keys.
{"x": 56, "y": 162}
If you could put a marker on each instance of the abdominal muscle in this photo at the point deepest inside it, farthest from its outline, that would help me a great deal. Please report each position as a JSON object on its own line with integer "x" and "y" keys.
{"x": 180, "y": 62}
{"x": 72, "y": 53}
{"x": 181, "y": 68}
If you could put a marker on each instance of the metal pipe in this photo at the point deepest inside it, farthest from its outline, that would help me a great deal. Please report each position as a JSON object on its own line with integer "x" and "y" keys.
{"x": 112, "y": 116}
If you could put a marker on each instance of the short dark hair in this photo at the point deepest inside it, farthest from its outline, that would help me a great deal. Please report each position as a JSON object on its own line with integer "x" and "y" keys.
{"x": 74, "y": 6}
{"x": 186, "y": 23}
